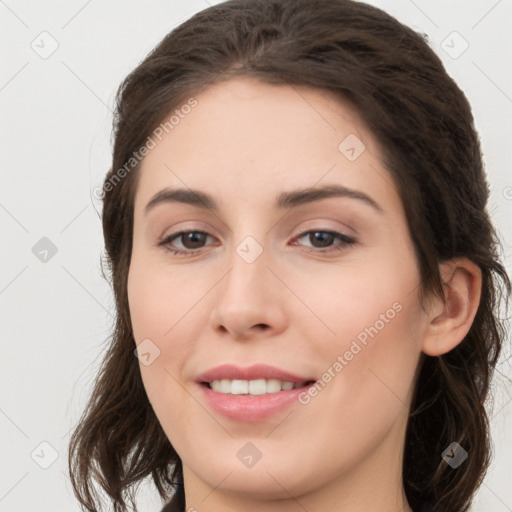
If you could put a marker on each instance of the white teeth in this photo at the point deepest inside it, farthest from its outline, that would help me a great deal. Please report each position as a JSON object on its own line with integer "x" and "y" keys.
{"x": 239, "y": 387}
{"x": 257, "y": 387}
{"x": 250, "y": 387}
{"x": 273, "y": 385}
{"x": 224, "y": 386}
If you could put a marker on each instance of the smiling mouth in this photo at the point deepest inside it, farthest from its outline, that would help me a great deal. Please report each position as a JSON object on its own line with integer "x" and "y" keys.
{"x": 255, "y": 387}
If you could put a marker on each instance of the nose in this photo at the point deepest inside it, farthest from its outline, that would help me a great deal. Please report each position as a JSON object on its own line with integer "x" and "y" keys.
{"x": 249, "y": 300}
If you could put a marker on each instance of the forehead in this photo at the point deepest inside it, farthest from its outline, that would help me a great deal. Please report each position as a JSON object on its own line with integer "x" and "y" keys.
{"x": 258, "y": 139}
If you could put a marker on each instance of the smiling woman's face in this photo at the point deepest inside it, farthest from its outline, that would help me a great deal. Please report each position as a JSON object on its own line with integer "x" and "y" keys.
{"x": 265, "y": 282}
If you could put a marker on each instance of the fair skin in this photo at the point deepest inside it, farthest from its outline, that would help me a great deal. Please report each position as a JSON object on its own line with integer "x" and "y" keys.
{"x": 295, "y": 307}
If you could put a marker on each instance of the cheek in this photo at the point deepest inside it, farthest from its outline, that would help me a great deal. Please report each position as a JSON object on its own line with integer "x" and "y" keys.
{"x": 358, "y": 300}
{"x": 156, "y": 300}
{"x": 153, "y": 306}
{"x": 164, "y": 304}
{"x": 147, "y": 300}
{"x": 156, "y": 309}
{"x": 370, "y": 341}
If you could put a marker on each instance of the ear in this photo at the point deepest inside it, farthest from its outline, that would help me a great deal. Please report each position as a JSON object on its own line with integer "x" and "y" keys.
{"x": 450, "y": 321}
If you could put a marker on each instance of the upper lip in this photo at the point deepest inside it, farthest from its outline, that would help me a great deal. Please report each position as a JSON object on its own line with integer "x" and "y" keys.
{"x": 257, "y": 371}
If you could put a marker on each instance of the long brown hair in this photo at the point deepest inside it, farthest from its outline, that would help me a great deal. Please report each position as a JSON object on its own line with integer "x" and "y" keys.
{"x": 425, "y": 126}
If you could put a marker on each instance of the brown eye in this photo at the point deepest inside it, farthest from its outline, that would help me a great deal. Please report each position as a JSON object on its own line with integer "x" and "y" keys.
{"x": 193, "y": 239}
{"x": 190, "y": 241}
{"x": 321, "y": 239}
{"x": 324, "y": 238}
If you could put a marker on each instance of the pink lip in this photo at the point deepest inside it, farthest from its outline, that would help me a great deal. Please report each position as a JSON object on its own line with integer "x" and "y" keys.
{"x": 249, "y": 408}
{"x": 258, "y": 371}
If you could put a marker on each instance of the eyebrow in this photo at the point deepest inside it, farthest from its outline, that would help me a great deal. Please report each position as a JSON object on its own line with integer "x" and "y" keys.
{"x": 289, "y": 199}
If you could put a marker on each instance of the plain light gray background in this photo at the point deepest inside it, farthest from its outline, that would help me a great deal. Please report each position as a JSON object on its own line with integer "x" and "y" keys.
{"x": 55, "y": 148}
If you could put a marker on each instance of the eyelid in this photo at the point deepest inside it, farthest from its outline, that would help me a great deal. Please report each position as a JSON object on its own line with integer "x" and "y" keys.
{"x": 186, "y": 227}
{"x": 345, "y": 239}
{"x": 166, "y": 239}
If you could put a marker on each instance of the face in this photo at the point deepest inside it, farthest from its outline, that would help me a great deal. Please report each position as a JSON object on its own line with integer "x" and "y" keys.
{"x": 280, "y": 343}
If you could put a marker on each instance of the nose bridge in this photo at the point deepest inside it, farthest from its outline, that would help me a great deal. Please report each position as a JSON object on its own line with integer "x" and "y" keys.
{"x": 250, "y": 251}
{"x": 248, "y": 298}
{"x": 248, "y": 266}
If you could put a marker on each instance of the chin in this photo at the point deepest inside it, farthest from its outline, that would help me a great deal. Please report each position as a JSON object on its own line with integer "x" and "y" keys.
{"x": 274, "y": 479}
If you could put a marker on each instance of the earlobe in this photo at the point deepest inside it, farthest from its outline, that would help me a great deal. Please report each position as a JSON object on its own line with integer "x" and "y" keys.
{"x": 450, "y": 321}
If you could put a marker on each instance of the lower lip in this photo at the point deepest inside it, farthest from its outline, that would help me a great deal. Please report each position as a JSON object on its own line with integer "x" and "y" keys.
{"x": 250, "y": 408}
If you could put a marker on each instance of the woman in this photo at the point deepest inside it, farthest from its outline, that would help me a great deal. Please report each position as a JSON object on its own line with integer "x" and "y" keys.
{"x": 296, "y": 226}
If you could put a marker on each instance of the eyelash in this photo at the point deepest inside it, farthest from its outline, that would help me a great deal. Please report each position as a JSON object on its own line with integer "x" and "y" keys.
{"x": 346, "y": 242}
